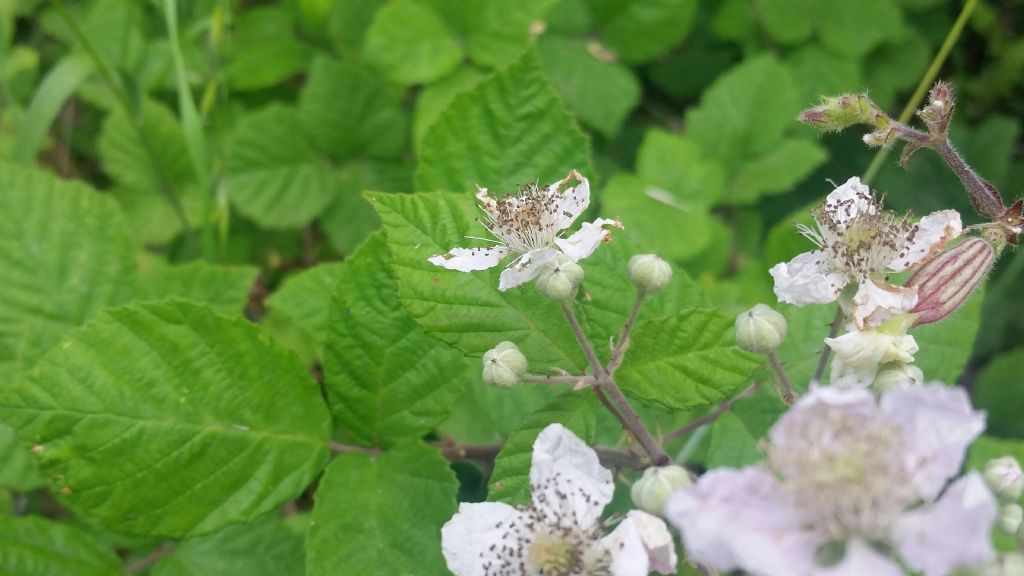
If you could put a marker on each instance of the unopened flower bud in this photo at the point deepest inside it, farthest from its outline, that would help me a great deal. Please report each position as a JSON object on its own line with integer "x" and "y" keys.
{"x": 1005, "y": 478}
{"x": 945, "y": 282}
{"x": 838, "y": 112}
{"x": 559, "y": 279}
{"x": 1010, "y": 518}
{"x": 877, "y": 139}
{"x": 760, "y": 330}
{"x": 652, "y": 490}
{"x": 649, "y": 273}
{"x": 504, "y": 365}
{"x": 897, "y": 374}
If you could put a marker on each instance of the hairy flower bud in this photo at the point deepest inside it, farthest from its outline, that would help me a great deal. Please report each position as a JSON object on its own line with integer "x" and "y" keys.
{"x": 945, "y": 282}
{"x": 559, "y": 279}
{"x": 652, "y": 490}
{"x": 1010, "y": 518}
{"x": 504, "y": 365}
{"x": 838, "y": 112}
{"x": 760, "y": 329}
{"x": 897, "y": 374}
{"x": 649, "y": 273}
{"x": 1005, "y": 477}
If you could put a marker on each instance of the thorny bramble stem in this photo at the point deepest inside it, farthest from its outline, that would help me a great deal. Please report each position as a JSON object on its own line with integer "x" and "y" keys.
{"x": 620, "y": 348}
{"x": 606, "y": 383}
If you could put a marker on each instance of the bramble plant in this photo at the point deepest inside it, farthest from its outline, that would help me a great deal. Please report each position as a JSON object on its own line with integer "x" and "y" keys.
{"x": 494, "y": 288}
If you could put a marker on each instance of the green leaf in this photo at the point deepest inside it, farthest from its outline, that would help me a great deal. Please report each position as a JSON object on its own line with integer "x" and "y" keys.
{"x": 497, "y": 32}
{"x": 350, "y": 113}
{"x": 306, "y": 298}
{"x": 65, "y": 253}
{"x": 777, "y": 171}
{"x": 382, "y": 515}
{"x": 642, "y": 31}
{"x": 348, "y": 22}
{"x": 788, "y": 21}
{"x": 685, "y": 361}
{"x": 155, "y": 405}
{"x": 818, "y": 72}
{"x": 601, "y": 93}
{"x": 507, "y": 131}
{"x": 350, "y": 218}
{"x": 264, "y": 50}
{"x": 946, "y": 345}
{"x": 675, "y": 164}
{"x": 510, "y": 481}
{"x": 223, "y": 288}
{"x": 808, "y": 327}
{"x": 386, "y": 379}
{"x": 264, "y": 547}
{"x": 732, "y": 444}
{"x": 675, "y": 231}
{"x": 997, "y": 392}
{"x": 34, "y": 546}
{"x": 19, "y": 472}
{"x": 854, "y": 28}
{"x": 274, "y": 176}
{"x": 60, "y": 83}
{"x": 410, "y": 44}
{"x": 436, "y": 98}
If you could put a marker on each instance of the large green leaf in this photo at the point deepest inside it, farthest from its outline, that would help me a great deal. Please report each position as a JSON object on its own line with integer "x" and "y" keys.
{"x": 510, "y": 481}
{"x": 350, "y": 218}
{"x": 410, "y": 44}
{"x": 997, "y": 390}
{"x": 854, "y": 29}
{"x": 306, "y": 298}
{"x": 386, "y": 379}
{"x": 507, "y": 131}
{"x": 264, "y": 547}
{"x": 382, "y": 515}
{"x": 274, "y": 176}
{"x": 495, "y": 32}
{"x": 65, "y": 253}
{"x": 686, "y": 360}
{"x": 349, "y": 112}
{"x": 166, "y": 419}
{"x": 19, "y": 471}
{"x": 434, "y": 99}
{"x": 732, "y": 444}
{"x": 223, "y": 288}
{"x": 676, "y": 165}
{"x": 33, "y": 546}
{"x": 777, "y": 171}
{"x": 641, "y": 31}
{"x": 264, "y": 50}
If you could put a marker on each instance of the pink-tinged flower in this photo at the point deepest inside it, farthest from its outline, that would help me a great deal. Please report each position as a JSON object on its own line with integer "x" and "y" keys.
{"x": 860, "y": 242}
{"x": 560, "y": 533}
{"x": 529, "y": 226}
{"x": 948, "y": 280}
{"x": 851, "y": 486}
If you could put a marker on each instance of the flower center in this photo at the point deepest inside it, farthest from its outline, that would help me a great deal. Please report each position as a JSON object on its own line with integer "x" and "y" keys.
{"x": 553, "y": 555}
{"x": 524, "y": 221}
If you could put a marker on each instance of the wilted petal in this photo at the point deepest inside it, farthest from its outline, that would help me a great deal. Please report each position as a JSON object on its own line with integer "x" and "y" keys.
{"x": 850, "y": 200}
{"x": 661, "y": 549}
{"x": 525, "y": 268}
{"x": 469, "y": 259}
{"x": 805, "y": 280}
{"x": 845, "y": 377}
{"x": 566, "y": 477}
{"x": 861, "y": 560}
{"x": 626, "y": 549}
{"x": 950, "y": 533}
{"x": 860, "y": 353}
{"x": 474, "y": 536}
{"x": 584, "y": 241}
{"x": 734, "y": 519}
{"x": 875, "y": 303}
{"x": 932, "y": 233}
{"x": 571, "y": 202}
{"x": 939, "y": 425}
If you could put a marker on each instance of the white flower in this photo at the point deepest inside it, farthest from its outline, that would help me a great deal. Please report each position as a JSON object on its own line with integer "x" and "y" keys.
{"x": 860, "y": 242}
{"x": 846, "y": 473}
{"x": 858, "y": 354}
{"x": 529, "y": 225}
{"x": 560, "y": 533}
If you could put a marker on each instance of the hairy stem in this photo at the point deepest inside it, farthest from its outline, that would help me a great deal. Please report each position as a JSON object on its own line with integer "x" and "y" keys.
{"x": 547, "y": 379}
{"x": 826, "y": 351}
{"x": 620, "y": 348}
{"x": 711, "y": 416}
{"x": 787, "y": 393}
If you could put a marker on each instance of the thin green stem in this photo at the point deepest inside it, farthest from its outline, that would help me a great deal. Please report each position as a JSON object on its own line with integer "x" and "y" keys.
{"x": 925, "y": 83}
{"x": 620, "y": 347}
{"x": 786, "y": 392}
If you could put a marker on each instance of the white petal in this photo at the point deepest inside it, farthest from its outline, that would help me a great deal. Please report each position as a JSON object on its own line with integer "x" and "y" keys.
{"x": 863, "y": 351}
{"x": 805, "y": 280}
{"x": 873, "y": 303}
{"x": 861, "y": 560}
{"x": 587, "y": 238}
{"x": 566, "y": 477}
{"x": 951, "y": 532}
{"x": 789, "y": 434}
{"x": 469, "y": 259}
{"x": 732, "y": 519}
{"x": 661, "y": 549}
{"x": 931, "y": 234}
{"x": 845, "y": 377}
{"x": 850, "y": 200}
{"x": 573, "y": 201}
{"x": 939, "y": 425}
{"x": 625, "y": 546}
{"x": 467, "y": 539}
{"x": 525, "y": 268}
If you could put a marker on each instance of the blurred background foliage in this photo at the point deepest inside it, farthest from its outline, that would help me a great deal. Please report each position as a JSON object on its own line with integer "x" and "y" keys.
{"x": 295, "y": 108}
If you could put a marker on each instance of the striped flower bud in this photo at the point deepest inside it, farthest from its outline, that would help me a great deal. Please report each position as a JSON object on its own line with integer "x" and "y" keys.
{"x": 945, "y": 282}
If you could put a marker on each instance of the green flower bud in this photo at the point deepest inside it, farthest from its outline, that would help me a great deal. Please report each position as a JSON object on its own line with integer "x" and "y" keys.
{"x": 837, "y": 112}
{"x": 560, "y": 279}
{"x": 1005, "y": 477}
{"x": 896, "y": 374}
{"x": 760, "y": 329}
{"x": 649, "y": 273}
{"x": 504, "y": 365}
{"x": 1010, "y": 518}
{"x": 652, "y": 490}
